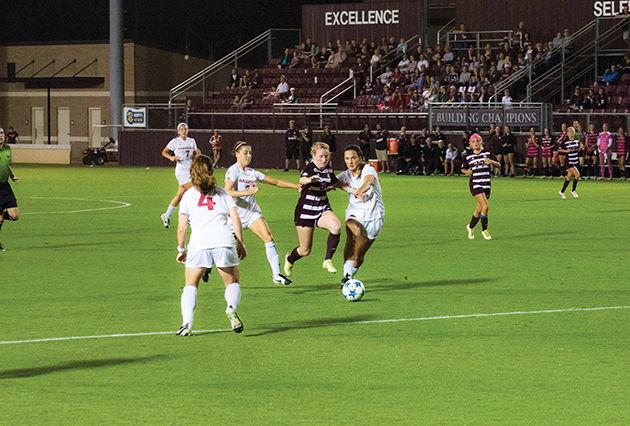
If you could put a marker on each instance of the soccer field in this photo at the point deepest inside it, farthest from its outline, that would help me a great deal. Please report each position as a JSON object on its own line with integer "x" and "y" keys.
{"x": 532, "y": 327}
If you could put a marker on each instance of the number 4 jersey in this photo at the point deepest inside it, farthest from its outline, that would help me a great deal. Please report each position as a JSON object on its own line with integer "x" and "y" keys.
{"x": 209, "y": 219}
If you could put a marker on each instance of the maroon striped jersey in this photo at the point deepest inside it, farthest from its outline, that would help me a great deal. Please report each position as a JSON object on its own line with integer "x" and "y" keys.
{"x": 573, "y": 148}
{"x": 313, "y": 198}
{"x": 480, "y": 176}
{"x": 591, "y": 141}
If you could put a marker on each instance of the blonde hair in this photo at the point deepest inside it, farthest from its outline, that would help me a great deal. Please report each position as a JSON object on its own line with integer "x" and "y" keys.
{"x": 201, "y": 175}
{"x": 319, "y": 145}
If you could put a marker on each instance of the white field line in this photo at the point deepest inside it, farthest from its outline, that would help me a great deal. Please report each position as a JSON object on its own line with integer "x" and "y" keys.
{"x": 121, "y": 205}
{"x": 383, "y": 321}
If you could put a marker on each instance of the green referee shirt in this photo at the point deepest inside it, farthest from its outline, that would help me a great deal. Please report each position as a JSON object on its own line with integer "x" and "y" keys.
{"x": 5, "y": 163}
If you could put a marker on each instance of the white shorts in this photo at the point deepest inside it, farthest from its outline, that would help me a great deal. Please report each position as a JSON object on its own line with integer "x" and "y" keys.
{"x": 221, "y": 257}
{"x": 183, "y": 178}
{"x": 371, "y": 228}
{"x": 248, "y": 217}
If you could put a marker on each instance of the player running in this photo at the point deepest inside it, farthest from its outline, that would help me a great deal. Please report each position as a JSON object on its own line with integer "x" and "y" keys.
{"x": 313, "y": 210}
{"x": 213, "y": 241}
{"x": 182, "y": 150}
{"x": 570, "y": 148}
{"x": 365, "y": 212}
{"x": 241, "y": 183}
{"x": 478, "y": 165}
{"x": 8, "y": 204}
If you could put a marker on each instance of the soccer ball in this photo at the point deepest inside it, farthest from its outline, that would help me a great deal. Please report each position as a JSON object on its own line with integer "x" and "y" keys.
{"x": 353, "y": 290}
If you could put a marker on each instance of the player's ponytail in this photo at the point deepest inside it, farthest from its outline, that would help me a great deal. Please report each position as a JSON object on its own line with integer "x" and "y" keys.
{"x": 201, "y": 175}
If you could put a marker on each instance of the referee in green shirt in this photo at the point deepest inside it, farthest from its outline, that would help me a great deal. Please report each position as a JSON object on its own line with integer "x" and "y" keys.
{"x": 8, "y": 203}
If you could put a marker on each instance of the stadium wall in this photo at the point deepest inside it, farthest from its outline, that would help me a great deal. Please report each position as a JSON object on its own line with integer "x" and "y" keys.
{"x": 543, "y": 18}
{"x": 144, "y": 148}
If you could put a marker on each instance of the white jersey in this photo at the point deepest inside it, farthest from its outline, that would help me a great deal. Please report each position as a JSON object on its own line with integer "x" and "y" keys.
{"x": 372, "y": 207}
{"x": 244, "y": 179}
{"x": 209, "y": 219}
{"x": 184, "y": 150}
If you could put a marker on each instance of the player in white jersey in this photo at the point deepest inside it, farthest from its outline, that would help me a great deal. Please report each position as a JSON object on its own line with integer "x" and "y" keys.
{"x": 182, "y": 150}
{"x": 241, "y": 183}
{"x": 365, "y": 212}
{"x": 214, "y": 241}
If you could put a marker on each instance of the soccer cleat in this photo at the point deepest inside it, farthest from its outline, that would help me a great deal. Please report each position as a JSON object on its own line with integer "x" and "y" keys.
{"x": 184, "y": 330}
{"x": 345, "y": 279}
{"x": 575, "y": 194}
{"x": 288, "y": 266}
{"x": 329, "y": 266}
{"x": 471, "y": 232}
{"x": 2, "y": 248}
{"x": 486, "y": 235}
{"x": 165, "y": 220}
{"x": 206, "y": 275}
{"x": 564, "y": 197}
{"x": 235, "y": 321}
{"x": 281, "y": 280}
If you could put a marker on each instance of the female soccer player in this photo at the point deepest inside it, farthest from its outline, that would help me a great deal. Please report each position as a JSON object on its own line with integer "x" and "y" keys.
{"x": 546, "y": 143}
{"x": 533, "y": 148}
{"x": 604, "y": 148}
{"x": 570, "y": 148}
{"x": 621, "y": 147}
{"x": 8, "y": 204}
{"x": 590, "y": 151}
{"x": 213, "y": 241}
{"x": 215, "y": 144}
{"x": 182, "y": 150}
{"x": 313, "y": 210}
{"x": 478, "y": 165}
{"x": 240, "y": 183}
{"x": 365, "y": 212}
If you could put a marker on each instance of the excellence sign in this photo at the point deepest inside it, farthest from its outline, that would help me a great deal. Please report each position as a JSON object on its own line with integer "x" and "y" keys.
{"x": 362, "y": 17}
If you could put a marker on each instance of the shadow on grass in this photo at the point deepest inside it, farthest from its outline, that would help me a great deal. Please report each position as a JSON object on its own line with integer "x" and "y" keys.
{"x": 387, "y": 284}
{"x": 303, "y": 325}
{"x": 73, "y": 365}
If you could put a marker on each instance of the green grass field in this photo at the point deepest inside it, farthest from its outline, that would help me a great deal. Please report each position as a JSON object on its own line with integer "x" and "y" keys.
{"x": 414, "y": 351}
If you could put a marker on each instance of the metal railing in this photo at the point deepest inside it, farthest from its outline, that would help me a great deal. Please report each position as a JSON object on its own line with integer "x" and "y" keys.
{"x": 229, "y": 59}
{"x": 441, "y": 34}
{"x": 578, "y": 62}
{"x": 479, "y": 38}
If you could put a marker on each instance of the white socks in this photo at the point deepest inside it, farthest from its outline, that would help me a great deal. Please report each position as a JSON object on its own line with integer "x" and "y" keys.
{"x": 189, "y": 301}
{"x": 349, "y": 269}
{"x": 233, "y": 295}
{"x": 273, "y": 258}
{"x": 170, "y": 210}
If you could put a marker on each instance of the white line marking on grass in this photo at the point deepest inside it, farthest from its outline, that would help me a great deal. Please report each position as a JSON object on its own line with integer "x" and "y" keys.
{"x": 383, "y": 321}
{"x": 106, "y": 336}
{"x": 121, "y": 205}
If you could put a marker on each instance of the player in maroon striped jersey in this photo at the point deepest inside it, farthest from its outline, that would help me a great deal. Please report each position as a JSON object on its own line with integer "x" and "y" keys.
{"x": 570, "y": 148}
{"x": 313, "y": 209}
{"x": 478, "y": 165}
{"x": 546, "y": 143}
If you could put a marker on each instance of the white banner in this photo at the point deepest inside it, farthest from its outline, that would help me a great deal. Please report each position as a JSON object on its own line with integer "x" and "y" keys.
{"x": 362, "y": 17}
{"x": 609, "y": 7}
{"x": 135, "y": 117}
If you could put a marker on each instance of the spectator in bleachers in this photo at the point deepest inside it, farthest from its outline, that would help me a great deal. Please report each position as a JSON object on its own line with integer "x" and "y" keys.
{"x": 236, "y": 103}
{"x": 292, "y": 98}
{"x": 404, "y": 65}
{"x": 320, "y": 58}
{"x": 247, "y": 100}
{"x": 244, "y": 81}
{"x": 285, "y": 59}
{"x": 364, "y": 139}
{"x": 280, "y": 92}
{"x": 448, "y": 56}
{"x": 418, "y": 80}
{"x": 588, "y": 101}
{"x": 375, "y": 60}
{"x": 338, "y": 59}
{"x": 601, "y": 100}
{"x": 381, "y": 148}
{"x": 576, "y": 100}
{"x": 611, "y": 75}
{"x": 442, "y": 96}
{"x": 234, "y": 79}
{"x": 401, "y": 47}
{"x": 464, "y": 76}
{"x": 506, "y": 100}
{"x": 255, "y": 80}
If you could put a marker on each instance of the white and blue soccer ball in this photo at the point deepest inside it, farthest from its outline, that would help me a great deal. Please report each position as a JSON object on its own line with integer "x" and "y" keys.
{"x": 353, "y": 290}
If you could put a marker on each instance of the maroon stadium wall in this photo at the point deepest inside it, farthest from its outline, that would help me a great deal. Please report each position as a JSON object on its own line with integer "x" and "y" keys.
{"x": 371, "y": 20}
{"x": 144, "y": 148}
{"x": 543, "y": 18}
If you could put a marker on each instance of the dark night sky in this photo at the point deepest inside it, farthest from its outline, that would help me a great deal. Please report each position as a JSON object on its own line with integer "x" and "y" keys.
{"x": 159, "y": 22}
